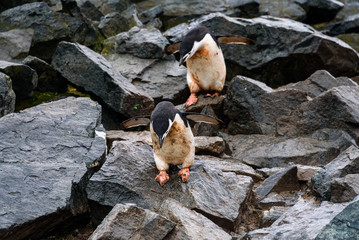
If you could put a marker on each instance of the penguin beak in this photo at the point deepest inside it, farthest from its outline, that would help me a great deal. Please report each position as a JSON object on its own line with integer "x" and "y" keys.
{"x": 181, "y": 61}
{"x": 184, "y": 58}
{"x": 161, "y": 141}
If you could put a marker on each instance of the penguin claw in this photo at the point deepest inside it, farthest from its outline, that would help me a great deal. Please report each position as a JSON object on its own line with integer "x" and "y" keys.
{"x": 184, "y": 174}
{"x": 162, "y": 178}
{"x": 191, "y": 100}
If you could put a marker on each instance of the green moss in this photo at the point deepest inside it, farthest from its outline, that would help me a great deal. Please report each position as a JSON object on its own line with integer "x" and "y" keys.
{"x": 42, "y": 97}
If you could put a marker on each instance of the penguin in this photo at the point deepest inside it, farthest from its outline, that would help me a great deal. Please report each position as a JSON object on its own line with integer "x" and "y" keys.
{"x": 172, "y": 138}
{"x": 206, "y": 68}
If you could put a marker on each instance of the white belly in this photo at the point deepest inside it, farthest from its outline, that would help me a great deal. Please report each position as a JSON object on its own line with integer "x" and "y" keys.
{"x": 207, "y": 68}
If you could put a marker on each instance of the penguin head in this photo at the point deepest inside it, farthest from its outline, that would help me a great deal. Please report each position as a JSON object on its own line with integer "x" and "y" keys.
{"x": 162, "y": 119}
{"x": 192, "y": 42}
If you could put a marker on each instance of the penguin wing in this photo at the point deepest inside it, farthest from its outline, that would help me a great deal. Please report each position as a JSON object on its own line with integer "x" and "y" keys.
{"x": 235, "y": 40}
{"x": 173, "y": 48}
{"x": 136, "y": 121}
{"x": 198, "y": 117}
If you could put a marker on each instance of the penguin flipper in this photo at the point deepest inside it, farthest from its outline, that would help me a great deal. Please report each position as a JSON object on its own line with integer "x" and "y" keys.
{"x": 136, "y": 121}
{"x": 173, "y": 48}
{"x": 235, "y": 40}
{"x": 198, "y": 117}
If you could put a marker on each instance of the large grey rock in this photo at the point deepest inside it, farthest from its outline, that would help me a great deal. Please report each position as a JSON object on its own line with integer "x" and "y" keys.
{"x": 269, "y": 151}
{"x": 190, "y": 224}
{"x": 318, "y": 83}
{"x": 85, "y": 68}
{"x": 128, "y": 177}
{"x": 349, "y": 25}
{"x": 285, "y": 180}
{"x": 127, "y": 221}
{"x": 282, "y": 48}
{"x": 15, "y": 44}
{"x": 48, "y": 78}
{"x": 24, "y": 79}
{"x": 161, "y": 79}
{"x": 344, "y": 189}
{"x": 302, "y": 221}
{"x": 351, "y": 7}
{"x": 89, "y": 10}
{"x": 283, "y": 8}
{"x": 47, "y": 155}
{"x": 7, "y": 95}
{"x": 112, "y": 24}
{"x": 344, "y": 225}
{"x": 319, "y": 11}
{"x": 13, "y": 3}
{"x": 346, "y": 163}
{"x": 336, "y": 108}
{"x": 143, "y": 43}
{"x": 254, "y": 107}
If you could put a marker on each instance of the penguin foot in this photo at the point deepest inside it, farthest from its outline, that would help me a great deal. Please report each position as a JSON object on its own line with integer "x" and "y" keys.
{"x": 191, "y": 100}
{"x": 184, "y": 174}
{"x": 162, "y": 178}
{"x": 212, "y": 95}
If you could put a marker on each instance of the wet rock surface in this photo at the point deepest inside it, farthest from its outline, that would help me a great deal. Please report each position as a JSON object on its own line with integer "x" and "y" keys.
{"x": 281, "y": 165}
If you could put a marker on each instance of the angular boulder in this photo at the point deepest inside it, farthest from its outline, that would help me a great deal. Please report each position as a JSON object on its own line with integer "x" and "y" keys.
{"x": 24, "y": 79}
{"x": 283, "y": 48}
{"x": 112, "y": 24}
{"x": 127, "y": 221}
{"x": 346, "y": 163}
{"x": 132, "y": 169}
{"x": 142, "y": 43}
{"x": 89, "y": 70}
{"x": 47, "y": 155}
{"x": 7, "y": 95}
{"x": 319, "y": 11}
{"x": 283, "y": 8}
{"x": 349, "y": 25}
{"x": 15, "y": 44}
{"x": 344, "y": 189}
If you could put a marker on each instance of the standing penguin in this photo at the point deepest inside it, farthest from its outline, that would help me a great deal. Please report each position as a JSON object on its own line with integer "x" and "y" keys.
{"x": 206, "y": 69}
{"x": 172, "y": 138}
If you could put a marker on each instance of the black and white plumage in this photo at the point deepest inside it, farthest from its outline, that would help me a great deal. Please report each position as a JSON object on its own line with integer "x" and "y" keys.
{"x": 206, "y": 69}
{"x": 172, "y": 137}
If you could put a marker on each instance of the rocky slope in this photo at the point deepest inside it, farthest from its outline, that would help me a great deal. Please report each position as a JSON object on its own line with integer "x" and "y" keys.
{"x": 284, "y": 163}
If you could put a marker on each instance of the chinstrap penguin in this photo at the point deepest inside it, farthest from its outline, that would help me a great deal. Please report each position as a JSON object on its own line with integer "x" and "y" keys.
{"x": 172, "y": 138}
{"x": 206, "y": 68}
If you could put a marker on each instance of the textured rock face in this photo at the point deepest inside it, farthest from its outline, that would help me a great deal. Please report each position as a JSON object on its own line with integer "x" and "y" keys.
{"x": 24, "y": 79}
{"x": 85, "y": 68}
{"x": 129, "y": 174}
{"x": 127, "y": 221}
{"x": 15, "y": 44}
{"x": 7, "y": 95}
{"x": 46, "y": 157}
{"x": 282, "y": 47}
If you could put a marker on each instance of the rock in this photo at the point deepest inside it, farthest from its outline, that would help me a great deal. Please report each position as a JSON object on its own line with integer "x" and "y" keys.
{"x": 190, "y": 224}
{"x": 283, "y": 198}
{"x": 229, "y": 165}
{"x": 150, "y": 14}
{"x": 216, "y": 104}
{"x": 344, "y": 225}
{"x": 305, "y": 173}
{"x": 336, "y": 108}
{"x": 267, "y": 151}
{"x": 13, "y": 3}
{"x": 119, "y": 135}
{"x": 85, "y": 68}
{"x": 15, "y": 44}
{"x": 209, "y": 145}
{"x": 269, "y": 216}
{"x": 319, "y": 11}
{"x": 48, "y": 78}
{"x": 283, "y": 9}
{"x": 211, "y": 192}
{"x": 344, "y": 189}
{"x": 127, "y": 221}
{"x": 161, "y": 79}
{"x": 346, "y": 163}
{"x": 351, "y": 7}
{"x": 24, "y": 79}
{"x": 318, "y": 83}
{"x": 47, "y": 155}
{"x": 142, "y": 43}
{"x": 7, "y": 95}
{"x": 282, "y": 47}
{"x": 203, "y": 129}
{"x": 253, "y": 107}
{"x": 285, "y": 180}
{"x": 349, "y": 25}
{"x": 89, "y": 10}
{"x": 112, "y": 6}
{"x": 112, "y": 24}
{"x": 302, "y": 221}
